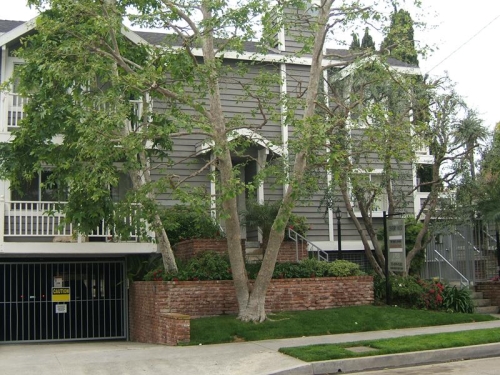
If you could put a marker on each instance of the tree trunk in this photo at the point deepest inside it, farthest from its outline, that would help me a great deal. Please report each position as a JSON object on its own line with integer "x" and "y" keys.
{"x": 366, "y": 244}
{"x": 254, "y": 309}
{"x": 225, "y": 167}
{"x": 166, "y": 251}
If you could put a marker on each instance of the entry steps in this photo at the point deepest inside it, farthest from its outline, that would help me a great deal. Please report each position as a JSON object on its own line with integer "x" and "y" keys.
{"x": 483, "y": 305}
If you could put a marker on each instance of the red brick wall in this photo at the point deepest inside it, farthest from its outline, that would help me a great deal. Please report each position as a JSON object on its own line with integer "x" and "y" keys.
{"x": 288, "y": 252}
{"x": 491, "y": 290}
{"x": 152, "y": 301}
{"x": 186, "y": 250}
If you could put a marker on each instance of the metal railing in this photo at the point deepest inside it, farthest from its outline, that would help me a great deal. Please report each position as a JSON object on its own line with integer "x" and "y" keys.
{"x": 464, "y": 282}
{"x": 302, "y": 241}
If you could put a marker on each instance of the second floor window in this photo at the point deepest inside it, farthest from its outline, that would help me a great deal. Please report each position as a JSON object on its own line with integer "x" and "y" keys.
{"x": 39, "y": 189}
{"x": 372, "y": 185}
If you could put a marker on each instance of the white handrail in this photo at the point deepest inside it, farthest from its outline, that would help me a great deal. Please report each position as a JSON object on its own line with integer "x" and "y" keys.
{"x": 467, "y": 282}
{"x": 294, "y": 236}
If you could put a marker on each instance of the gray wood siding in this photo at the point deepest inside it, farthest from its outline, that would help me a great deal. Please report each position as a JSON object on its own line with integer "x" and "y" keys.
{"x": 297, "y": 27}
{"x": 184, "y": 162}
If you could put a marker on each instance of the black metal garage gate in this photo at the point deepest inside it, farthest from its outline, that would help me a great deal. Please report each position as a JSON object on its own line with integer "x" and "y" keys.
{"x": 71, "y": 300}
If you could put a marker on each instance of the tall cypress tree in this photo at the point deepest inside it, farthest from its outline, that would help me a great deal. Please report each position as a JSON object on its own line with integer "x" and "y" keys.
{"x": 355, "y": 45}
{"x": 367, "y": 41}
{"x": 400, "y": 38}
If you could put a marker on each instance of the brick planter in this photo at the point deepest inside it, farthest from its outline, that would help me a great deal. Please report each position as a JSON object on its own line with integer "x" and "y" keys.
{"x": 152, "y": 302}
{"x": 188, "y": 249}
{"x": 491, "y": 291}
{"x": 291, "y": 252}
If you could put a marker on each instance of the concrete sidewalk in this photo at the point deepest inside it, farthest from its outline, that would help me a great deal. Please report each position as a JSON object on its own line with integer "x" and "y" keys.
{"x": 258, "y": 357}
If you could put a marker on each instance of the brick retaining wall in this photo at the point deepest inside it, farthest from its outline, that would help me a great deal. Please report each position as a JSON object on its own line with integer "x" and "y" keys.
{"x": 188, "y": 249}
{"x": 151, "y": 302}
{"x": 491, "y": 290}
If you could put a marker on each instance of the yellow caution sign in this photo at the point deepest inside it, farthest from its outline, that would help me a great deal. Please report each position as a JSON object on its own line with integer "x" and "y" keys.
{"x": 60, "y": 294}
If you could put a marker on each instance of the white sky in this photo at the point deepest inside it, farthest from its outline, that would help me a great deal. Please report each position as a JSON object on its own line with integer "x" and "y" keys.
{"x": 471, "y": 63}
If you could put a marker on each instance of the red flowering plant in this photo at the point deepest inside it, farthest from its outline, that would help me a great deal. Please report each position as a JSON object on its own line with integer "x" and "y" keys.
{"x": 432, "y": 297}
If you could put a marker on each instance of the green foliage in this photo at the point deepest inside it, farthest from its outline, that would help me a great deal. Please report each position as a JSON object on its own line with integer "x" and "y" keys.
{"x": 411, "y": 291}
{"x": 367, "y": 41}
{"x": 412, "y": 229}
{"x": 205, "y": 266}
{"x": 489, "y": 179}
{"x": 212, "y": 266}
{"x": 432, "y": 298}
{"x": 355, "y": 44}
{"x": 138, "y": 266}
{"x": 458, "y": 300}
{"x": 263, "y": 216}
{"x": 316, "y": 268}
{"x": 298, "y": 224}
{"x": 184, "y": 223}
{"x": 342, "y": 268}
{"x": 400, "y": 38}
{"x": 405, "y": 291}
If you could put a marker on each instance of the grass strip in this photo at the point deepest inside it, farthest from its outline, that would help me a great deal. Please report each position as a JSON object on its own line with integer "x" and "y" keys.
{"x": 324, "y": 352}
{"x": 227, "y": 328}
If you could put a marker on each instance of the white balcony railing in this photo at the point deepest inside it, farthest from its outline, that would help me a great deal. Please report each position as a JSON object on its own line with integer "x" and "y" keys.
{"x": 45, "y": 219}
{"x": 14, "y": 112}
{"x": 14, "y": 109}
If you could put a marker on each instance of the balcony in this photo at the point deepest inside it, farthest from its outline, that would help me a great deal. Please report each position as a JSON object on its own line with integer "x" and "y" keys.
{"x": 28, "y": 222}
{"x": 13, "y": 111}
{"x": 12, "y": 106}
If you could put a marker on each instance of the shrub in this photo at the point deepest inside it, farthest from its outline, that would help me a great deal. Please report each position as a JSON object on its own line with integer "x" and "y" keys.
{"x": 458, "y": 300}
{"x": 343, "y": 268}
{"x": 205, "y": 266}
{"x": 411, "y": 291}
{"x": 289, "y": 271}
{"x": 212, "y": 266}
{"x": 315, "y": 268}
{"x": 406, "y": 291}
{"x": 432, "y": 297}
{"x": 184, "y": 223}
{"x": 263, "y": 216}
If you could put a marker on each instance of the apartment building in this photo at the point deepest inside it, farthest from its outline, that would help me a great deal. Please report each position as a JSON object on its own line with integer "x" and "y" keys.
{"x": 59, "y": 285}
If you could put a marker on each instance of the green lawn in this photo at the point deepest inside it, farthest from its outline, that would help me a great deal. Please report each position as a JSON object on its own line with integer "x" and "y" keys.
{"x": 326, "y": 352}
{"x": 321, "y": 322}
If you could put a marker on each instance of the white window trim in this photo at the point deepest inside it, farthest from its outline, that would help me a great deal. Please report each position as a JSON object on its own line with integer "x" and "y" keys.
{"x": 383, "y": 198}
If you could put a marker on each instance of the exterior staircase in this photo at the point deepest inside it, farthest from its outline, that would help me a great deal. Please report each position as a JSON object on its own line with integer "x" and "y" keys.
{"x": 483, "y": 305}
{"x": 253, "y": 252}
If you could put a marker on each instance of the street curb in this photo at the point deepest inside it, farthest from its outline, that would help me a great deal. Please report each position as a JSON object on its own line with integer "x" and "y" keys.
{"x": 394, "y": 360}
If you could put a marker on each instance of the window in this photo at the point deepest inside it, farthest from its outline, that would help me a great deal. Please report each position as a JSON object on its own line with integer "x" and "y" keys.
{"x": 39, "y": 189}
{"x": 15, "y": 104}
{"x": 424, "y": 175}
{"x": 124, "y": 185}
{"x": 372, "y": 186}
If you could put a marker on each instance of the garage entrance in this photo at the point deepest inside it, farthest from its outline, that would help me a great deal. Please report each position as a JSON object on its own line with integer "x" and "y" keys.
{"x": 66, "y": 300}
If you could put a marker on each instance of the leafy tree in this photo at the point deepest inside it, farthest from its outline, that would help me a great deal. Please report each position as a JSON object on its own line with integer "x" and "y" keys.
{"x": 83, "y": 69}
{"x": 489, "y": 180}
{"x": 372, "y": 127}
